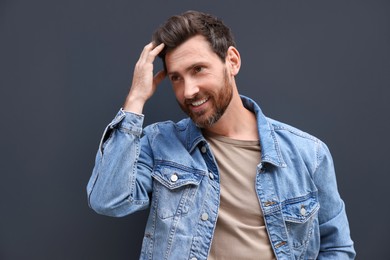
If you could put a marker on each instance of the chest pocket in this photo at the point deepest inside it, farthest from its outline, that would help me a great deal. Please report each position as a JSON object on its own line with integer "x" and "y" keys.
{"x": 175, "y": 187}
{"x": 300, "y": 215}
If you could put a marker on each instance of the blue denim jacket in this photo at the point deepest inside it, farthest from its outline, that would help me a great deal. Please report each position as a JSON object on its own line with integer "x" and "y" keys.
{"x": 172, "y": 170}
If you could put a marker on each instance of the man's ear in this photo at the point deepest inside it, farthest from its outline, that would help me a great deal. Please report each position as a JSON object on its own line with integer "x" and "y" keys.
{"x": 233, "y": 60}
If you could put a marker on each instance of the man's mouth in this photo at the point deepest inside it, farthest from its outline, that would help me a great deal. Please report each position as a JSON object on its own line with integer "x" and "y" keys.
{"x": 199, "y": 102}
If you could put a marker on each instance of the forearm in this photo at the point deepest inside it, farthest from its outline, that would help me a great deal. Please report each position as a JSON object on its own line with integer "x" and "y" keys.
{"x": 336, "y": 242}
{"x": 134, "y": 103}
{"x": 118, "y": 186}
{"x": 120, "y": 182}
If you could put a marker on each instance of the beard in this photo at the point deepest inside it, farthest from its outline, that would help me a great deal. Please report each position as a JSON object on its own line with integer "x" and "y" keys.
{"x": 219, "y": 102}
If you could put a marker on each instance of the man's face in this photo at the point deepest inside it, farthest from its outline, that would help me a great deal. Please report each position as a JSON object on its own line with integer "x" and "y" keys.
{"x": 200, "y": 81}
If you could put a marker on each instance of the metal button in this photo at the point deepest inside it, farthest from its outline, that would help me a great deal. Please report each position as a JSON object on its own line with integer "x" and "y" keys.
{"x": 205, "y": 216}
{"x": 269, "y": 203}
{"x": 303, "y": 211}
{"x": 211, "y": 175}
{"x": 261, "y": 167}
{"x": 174, "y": 177}
{"x": 280, "y": 244}
{"x": 203, "y": 149}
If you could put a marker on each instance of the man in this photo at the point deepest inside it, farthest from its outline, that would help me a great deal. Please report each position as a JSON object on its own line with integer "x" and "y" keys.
{"x": 225, "y": 183}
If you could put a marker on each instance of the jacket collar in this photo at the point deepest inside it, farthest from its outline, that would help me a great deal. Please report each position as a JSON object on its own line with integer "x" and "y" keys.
{"x": 270, "y": 149}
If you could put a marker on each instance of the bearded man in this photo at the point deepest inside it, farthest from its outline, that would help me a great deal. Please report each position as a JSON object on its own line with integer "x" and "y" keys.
{"x": 226, "y": 182}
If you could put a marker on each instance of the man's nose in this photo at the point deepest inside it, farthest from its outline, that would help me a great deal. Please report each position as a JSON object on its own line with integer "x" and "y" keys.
{"x": 191, "y": 89}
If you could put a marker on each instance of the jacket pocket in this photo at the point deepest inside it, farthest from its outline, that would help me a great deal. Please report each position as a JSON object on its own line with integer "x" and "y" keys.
{"x": 300, "y": 215}
{"x": 175, "y": 187}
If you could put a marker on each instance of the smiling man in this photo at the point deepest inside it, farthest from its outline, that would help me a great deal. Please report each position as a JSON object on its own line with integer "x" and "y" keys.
{"x": 225, "y": 183}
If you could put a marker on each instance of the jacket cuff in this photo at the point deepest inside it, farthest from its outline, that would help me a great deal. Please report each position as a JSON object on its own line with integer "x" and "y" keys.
{"x": 128, "y": 122}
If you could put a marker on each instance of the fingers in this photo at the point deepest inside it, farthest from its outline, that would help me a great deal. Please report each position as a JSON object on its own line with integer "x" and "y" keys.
{"x": 144, "y": 82}
{"x": 146, "y": 50}
{"x": 150, "y": 52}
{"x": 156, "y": 50}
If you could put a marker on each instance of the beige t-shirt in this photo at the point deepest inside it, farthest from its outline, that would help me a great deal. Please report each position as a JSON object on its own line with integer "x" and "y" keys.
{"x": 240, "y": 232}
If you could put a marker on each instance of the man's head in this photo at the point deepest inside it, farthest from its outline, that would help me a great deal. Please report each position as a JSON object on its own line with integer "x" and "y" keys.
{"x": 179, "y": 28}
{"x": 201, "y": 61}
{"x": 202, "y": 83}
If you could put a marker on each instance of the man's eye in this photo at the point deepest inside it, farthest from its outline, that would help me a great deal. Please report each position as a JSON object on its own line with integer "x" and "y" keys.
{"x": 174, "y": 78}
{"x": 198, "y": 69}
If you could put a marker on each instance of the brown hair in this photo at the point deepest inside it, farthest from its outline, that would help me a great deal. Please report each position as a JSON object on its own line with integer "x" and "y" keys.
{"x": 179, "y": 28}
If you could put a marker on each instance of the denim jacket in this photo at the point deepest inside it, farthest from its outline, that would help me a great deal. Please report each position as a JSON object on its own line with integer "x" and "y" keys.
{"x": 169, "y": 168}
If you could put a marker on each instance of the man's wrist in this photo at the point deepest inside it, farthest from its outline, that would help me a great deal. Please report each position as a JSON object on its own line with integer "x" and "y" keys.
{"x": 134, "y": 105}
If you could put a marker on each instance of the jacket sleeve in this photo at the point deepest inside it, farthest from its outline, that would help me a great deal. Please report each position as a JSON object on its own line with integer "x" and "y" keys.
{"x": 336, "y": 242}
{"x": 121, "y": 182}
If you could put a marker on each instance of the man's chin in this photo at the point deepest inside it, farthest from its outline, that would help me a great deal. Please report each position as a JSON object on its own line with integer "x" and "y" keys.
{"x": 204, "y": 121}
{"x": 200, "y": 122}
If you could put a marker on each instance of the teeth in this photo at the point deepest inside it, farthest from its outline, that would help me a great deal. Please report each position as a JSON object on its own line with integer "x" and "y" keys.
{"x": 200, "y": 102}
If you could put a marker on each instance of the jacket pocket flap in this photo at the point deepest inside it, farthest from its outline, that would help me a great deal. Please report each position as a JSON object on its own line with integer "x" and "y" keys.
{"x": 301, "y": 209}
{"x": 175, "y": 176}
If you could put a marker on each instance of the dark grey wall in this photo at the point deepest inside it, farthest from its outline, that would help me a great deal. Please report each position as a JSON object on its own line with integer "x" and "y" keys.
{"x": 65, "y": 68}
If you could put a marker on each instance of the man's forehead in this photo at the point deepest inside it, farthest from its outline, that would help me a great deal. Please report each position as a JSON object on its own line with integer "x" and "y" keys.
{"x": 195, "y": 50}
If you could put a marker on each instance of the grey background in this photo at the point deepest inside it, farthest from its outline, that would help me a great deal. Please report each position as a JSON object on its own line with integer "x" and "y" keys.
{"x": 65, "y": 69}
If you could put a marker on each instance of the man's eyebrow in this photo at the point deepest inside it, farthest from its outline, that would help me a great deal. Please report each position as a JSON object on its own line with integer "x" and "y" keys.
{"x": 188, "y": 68}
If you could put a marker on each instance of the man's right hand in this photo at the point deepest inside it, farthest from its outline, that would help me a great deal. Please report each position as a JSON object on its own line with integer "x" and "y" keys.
{"x": 144, "y": 83}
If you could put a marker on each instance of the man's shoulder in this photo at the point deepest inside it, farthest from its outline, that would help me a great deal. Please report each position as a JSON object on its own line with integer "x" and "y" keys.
{"x": 289, "y": 130}
{"x": 294, "y": 140}
{"x": 162, "y": 135}
{"x": 167, "y": 126}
